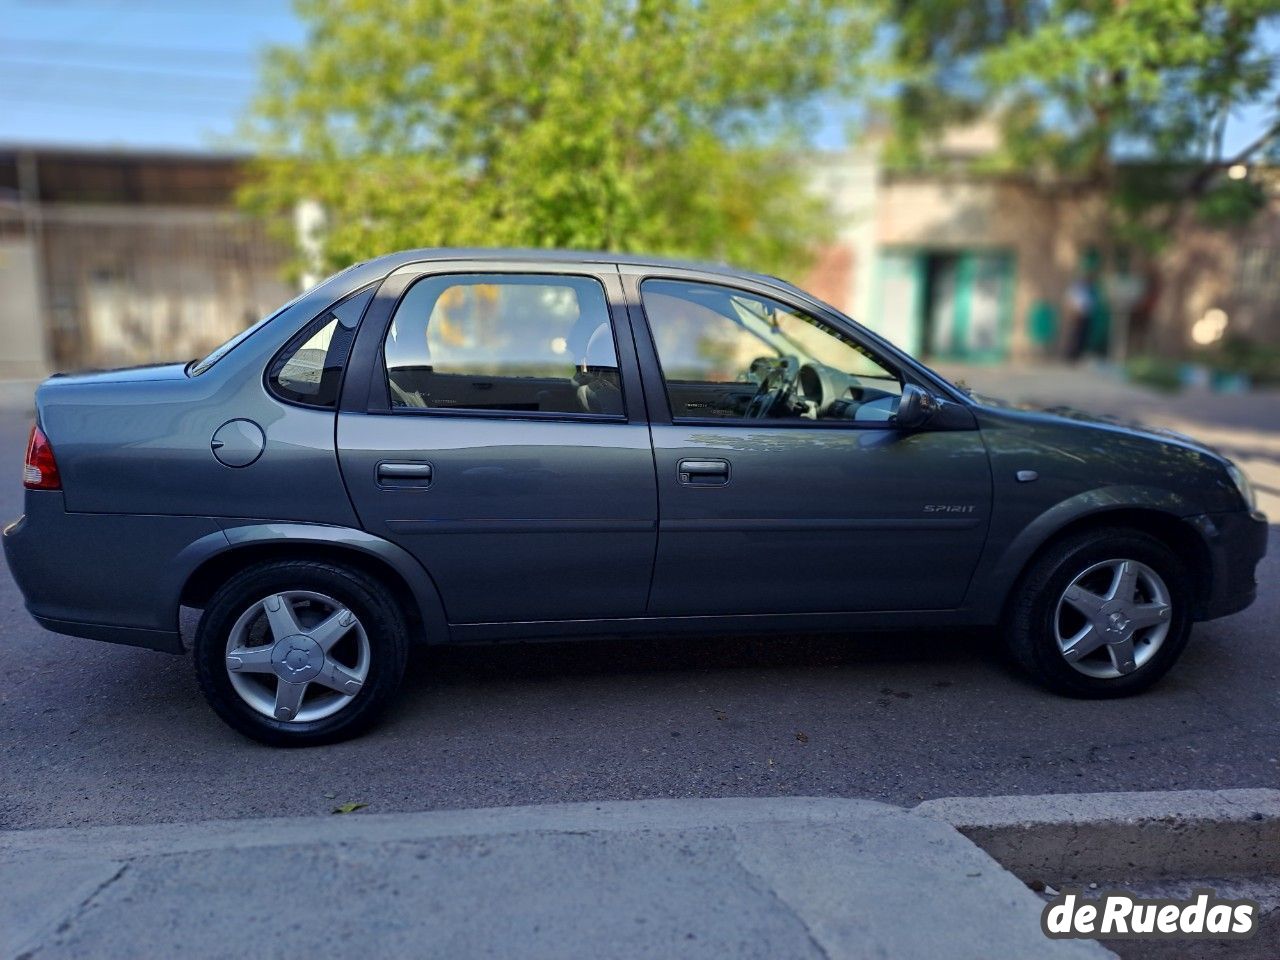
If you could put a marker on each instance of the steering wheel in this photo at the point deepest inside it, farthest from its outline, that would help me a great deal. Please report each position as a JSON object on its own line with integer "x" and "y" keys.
{"x": 776, "y": 388}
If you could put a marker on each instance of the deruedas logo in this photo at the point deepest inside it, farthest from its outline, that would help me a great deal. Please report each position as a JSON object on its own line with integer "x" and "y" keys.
{"x": 1117, "y": 915}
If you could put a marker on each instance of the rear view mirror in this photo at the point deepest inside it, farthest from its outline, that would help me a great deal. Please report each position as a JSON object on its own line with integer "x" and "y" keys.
{"x": 915, "y": 407}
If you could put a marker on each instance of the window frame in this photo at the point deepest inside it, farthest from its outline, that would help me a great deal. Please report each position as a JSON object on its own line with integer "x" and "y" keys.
{"x": 313, "y": 326}
{"x": 656, "y": 385}
{"x": 371, "y": 354}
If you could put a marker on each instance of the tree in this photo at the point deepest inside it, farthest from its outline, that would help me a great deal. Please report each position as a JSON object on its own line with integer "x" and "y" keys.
{"x": 658, "y": 125}
{"x": 1128, "y": 96}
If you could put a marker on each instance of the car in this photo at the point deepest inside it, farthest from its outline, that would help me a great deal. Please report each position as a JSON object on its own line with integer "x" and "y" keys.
{"x": 452, "y": 446}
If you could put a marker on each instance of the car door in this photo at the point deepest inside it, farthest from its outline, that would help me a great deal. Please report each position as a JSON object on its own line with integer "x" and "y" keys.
{"x": 492, "y": 424}
{"x": 821, "y": 506}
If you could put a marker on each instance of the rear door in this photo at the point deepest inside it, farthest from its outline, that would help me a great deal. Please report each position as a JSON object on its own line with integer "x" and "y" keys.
{"x": 493, "y": 425}
{"x": 813, "y": 503}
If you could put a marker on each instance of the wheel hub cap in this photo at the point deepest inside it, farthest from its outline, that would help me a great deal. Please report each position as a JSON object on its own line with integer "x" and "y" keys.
{"x": 297, "y": 659}
{"x": 1117, "y": 623}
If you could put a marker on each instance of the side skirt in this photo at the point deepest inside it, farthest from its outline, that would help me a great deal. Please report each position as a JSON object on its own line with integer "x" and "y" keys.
{"x": 751, "y": 624}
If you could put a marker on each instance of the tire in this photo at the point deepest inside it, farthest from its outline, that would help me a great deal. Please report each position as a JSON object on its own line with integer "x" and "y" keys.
{"x": 371, "y": 648}
{"x": 1042, "y": 621}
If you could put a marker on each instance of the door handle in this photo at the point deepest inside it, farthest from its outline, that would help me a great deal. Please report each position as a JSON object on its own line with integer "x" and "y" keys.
{"x": 404, "y": 474}
{"x": 704, "y": 473}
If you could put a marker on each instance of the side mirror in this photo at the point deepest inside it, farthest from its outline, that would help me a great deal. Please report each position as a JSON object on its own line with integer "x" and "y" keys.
{"x": 915, "y": 407}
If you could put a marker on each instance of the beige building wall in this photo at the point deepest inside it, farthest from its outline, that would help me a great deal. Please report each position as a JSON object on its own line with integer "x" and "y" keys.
{"x": 23, "y": 353}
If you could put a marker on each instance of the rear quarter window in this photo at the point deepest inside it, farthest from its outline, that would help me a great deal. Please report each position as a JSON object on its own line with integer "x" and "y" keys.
{"x": 310, "y": 367}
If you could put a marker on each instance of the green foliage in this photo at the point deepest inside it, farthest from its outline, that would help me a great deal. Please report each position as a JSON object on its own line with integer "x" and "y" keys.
{"x": 1235, "y": 354}
{"x": 1154, "y": 372}
{"x": 1078, "y": 84}
{"x": 634, "y": 125}
{"x": 1154, "y": 76}
{"x": 1231, "y": 203}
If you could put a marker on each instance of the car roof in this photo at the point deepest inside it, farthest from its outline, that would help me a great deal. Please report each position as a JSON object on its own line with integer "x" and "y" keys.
{"x": 392, "y": 261}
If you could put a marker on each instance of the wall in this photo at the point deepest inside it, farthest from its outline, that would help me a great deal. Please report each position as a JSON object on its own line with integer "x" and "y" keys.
{"x": 23, "y": 354}
{"x": 139, "y": 257}
{"x": 130, "y": 285}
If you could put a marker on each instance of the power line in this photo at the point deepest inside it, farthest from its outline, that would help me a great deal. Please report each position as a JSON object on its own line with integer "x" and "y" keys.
{"x": 64, "y": 90}
{"x": 80, "y": 103}
{"x": 90, "y": 49}
{"x": 39, "y": 63}
{"x": 122, "y": 76}
{"x": 144, "y": 85}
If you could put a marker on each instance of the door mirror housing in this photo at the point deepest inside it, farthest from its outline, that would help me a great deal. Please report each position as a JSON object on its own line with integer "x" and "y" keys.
{"x": 915, "y": 407}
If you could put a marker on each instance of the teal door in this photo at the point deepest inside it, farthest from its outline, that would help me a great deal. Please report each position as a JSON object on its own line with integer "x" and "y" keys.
{"x": 970, "y": 305}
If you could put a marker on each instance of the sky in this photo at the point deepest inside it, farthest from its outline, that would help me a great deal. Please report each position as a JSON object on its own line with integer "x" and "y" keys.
{"x": 136, "y": 73}
{"x": 178, "y": 74}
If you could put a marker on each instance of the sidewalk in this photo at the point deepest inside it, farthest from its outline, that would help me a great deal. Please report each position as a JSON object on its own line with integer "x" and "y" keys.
{"x": 774, "y": 879}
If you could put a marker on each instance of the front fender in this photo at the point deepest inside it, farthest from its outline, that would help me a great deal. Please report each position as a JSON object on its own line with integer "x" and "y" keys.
{"x": 1008, "y": 553}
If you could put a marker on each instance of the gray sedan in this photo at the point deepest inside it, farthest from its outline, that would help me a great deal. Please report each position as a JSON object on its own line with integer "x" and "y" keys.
{"x": 461, "y": 446}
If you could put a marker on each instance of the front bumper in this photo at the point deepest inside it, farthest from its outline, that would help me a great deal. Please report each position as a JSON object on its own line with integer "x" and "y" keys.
{"x": 1237, "y": 542}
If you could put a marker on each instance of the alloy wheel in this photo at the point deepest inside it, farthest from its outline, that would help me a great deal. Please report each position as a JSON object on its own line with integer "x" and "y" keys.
{"x": 1112, "y": 618}
{"x": 297, "y": 656}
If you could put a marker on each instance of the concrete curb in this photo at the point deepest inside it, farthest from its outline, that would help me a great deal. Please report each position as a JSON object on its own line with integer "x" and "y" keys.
{"x": 1072, "y": 838}
{"x": 165, "y": 839}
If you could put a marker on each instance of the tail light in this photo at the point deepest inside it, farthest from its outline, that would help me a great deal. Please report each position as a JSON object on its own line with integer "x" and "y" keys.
{"x": 40, "y": 472}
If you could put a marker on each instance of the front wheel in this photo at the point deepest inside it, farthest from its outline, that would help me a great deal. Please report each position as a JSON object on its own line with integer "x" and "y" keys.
{"x": 298, "y": 653}
{"x": 1101, "y": 614}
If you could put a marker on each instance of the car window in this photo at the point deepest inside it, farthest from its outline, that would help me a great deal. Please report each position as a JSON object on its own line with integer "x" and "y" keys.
{"x": 309, "y": 369}
{"x": 728, "y": 354}
{"x": 517, "y": 343}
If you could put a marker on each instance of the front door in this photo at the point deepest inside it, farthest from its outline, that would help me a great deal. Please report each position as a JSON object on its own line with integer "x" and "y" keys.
{"x": 783, "y": 484}
{"x": 500, "y": 438}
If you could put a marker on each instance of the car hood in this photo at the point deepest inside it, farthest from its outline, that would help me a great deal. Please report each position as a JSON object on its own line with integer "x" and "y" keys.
{"x": 156, "y": 371}
{"x": 1105, "y": 421}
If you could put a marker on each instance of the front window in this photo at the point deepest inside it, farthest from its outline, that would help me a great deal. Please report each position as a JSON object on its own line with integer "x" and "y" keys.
{"x": 513, "y": 343}
{"x": 727, "y": 354}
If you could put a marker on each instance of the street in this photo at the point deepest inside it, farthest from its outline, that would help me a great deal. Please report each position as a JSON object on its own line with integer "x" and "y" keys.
{"x": 94, "y": 734}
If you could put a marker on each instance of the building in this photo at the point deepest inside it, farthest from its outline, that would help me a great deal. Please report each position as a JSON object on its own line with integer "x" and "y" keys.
{"x": 959, "y": 265}
{"x": 110, "y": 258}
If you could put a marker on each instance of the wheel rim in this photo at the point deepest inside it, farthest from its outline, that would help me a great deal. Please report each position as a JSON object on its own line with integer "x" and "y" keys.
{"x": 1112, "y": 618}
{"x": 297, "y": 656}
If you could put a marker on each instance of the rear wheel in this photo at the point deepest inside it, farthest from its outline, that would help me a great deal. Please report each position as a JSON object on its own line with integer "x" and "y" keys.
{"x": 1103, "y": 613}
{"x": 297, "y": 653}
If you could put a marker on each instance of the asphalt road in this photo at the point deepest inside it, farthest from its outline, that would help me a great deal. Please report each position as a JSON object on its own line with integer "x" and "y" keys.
{"x": 92, "y": 733}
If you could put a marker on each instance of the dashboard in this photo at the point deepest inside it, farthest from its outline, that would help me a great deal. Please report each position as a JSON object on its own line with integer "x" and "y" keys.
{"x": 830, "y": 394}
